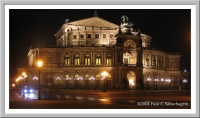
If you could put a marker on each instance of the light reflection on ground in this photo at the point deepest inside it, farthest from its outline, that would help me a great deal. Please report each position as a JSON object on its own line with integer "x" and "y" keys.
{"x": 105, "y": 101}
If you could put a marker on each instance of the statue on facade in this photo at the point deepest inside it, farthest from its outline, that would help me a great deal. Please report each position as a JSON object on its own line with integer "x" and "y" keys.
{"x": 125, "y": 22}
{"x": 66, "y": 20}
{"x": 125, "y": 26}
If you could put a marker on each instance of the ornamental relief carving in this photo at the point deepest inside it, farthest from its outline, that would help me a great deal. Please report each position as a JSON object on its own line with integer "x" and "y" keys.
{"x": 129, "y": 43}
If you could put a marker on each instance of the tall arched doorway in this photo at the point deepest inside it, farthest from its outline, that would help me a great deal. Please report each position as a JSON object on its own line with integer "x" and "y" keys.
{"x": 131, "y": 79}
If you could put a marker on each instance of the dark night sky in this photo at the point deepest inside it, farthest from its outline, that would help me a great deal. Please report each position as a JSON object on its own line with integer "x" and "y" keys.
{"x": 170, "y": 29}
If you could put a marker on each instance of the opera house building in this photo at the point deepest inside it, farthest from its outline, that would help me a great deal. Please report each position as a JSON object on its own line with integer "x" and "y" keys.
{"x": 93, "y": 53}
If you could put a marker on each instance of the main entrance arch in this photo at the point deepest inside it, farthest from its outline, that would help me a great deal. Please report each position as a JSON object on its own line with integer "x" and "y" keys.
{"x": 131, "y": 79}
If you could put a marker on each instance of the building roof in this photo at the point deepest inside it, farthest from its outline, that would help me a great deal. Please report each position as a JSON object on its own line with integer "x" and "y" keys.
{"x": 94, "y": 22}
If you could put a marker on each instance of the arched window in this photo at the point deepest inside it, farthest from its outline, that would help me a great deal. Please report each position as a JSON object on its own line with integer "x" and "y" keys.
{"x": 76, "y": 59}
{"x": 76, "y": 76}
{"x": 126, "y": 58}
{"x": 98, "y": 76}
{"x": 87, "y": 59}
{"x": 159, "y": 65}
{"x": 98, "y": 59}
{"x": 129, "y": 59}
{"x": 67, "y": 60}
{"x": 108, "y": 60}
{"x": 87, "y": 76}
{"x": 147, "y": 61}
{"x": 153, "y": 61}
{"x": 67, "y": 76}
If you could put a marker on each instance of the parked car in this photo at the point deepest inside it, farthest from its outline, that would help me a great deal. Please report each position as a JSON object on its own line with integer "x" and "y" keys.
{"x": 28, "y": 92}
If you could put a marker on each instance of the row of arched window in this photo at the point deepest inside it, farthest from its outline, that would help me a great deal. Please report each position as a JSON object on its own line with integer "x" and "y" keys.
{"x": 159, "y": 62}
{"x": 87, "y": 76}
{"x": 87, "y": 60}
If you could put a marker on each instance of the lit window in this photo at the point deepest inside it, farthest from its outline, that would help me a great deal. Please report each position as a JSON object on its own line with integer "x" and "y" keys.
{"x": 96, "y": 35}
{"x": 87, "y": 59}
{"x": 67, "y": 76}
{"x": 67, "y": 60}
{"x": 76, "y": 75}
{"x": 104, "y": 35}
{"x": 87, "y": 76}
{"x": 125, "y": 60}
{"x": 98, "y": 76}
{"x": 108, "y": 60}
{"x": 98, "y": 59}
{"x": 76, "y": 60}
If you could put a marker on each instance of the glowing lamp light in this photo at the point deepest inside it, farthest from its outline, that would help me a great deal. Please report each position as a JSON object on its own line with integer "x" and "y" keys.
{"x": 104, "y": 73}
{"x": 184, "y": 80}
{"x": 24, "y": 74}
{"x": 58, "y": 78}
{"x": 149, "y": 79}
{"x": 168, "y": 80}
{"x": 155, "y": 79}
{"x": 35, "y": 78}
{"x": 39, "y": 63}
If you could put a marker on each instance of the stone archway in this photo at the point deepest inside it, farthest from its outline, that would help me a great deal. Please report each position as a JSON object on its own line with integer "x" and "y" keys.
{"x": 131, "y": 79}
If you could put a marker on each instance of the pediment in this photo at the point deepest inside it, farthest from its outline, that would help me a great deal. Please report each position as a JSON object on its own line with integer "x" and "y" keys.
{"x": 94, "y": 22}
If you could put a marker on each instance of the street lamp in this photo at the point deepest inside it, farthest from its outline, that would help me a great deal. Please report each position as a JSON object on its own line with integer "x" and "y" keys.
{"x": 148, "y": 79}
{"x": 169, "y": 81}
{"x": 92, "y": 82}
{"x": 24, "y": 76}
{"x": 185, "y": 81}
{"x": 35, "y": 79}
{"x": 104, "y": 74}
{"x": 58, "y": 79}
{"x": 162, "y": 80}
{"x": 156, "y": 80}
{"x": 39, "y": 63}
{"x": 19, "y": 86}
{"x": 80, "y": 82}
{"x": 68, "y": 79}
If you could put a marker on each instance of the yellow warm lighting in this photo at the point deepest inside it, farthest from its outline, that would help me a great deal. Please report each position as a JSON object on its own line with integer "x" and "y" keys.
{"x": 104, "y": 73}
{"x": 39, "y": 63}
{"x": 23, "y": 73}
{"x": 20, "y": 77}
{"x": 105, "y": 101}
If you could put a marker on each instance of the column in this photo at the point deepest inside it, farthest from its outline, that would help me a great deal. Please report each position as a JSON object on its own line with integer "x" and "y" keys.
{"x": 144, "y": 59}
{"x": 138, "y": 57}
{"x": 156, "y": 61}
{"x": 82, "y": 58}
{"x": 141, "y": 57}
{"x": 150, "y": 60}
{"x": 72, "y": 58}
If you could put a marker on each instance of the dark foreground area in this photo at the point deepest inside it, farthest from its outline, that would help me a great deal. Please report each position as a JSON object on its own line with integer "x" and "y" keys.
{"x": 89, "y": 99}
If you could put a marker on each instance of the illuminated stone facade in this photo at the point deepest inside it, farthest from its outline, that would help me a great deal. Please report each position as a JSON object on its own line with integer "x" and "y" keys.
{"x": 85, "y": 48}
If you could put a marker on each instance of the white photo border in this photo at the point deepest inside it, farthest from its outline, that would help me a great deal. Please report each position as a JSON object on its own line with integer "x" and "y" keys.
{"x": 5, "y": 111}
